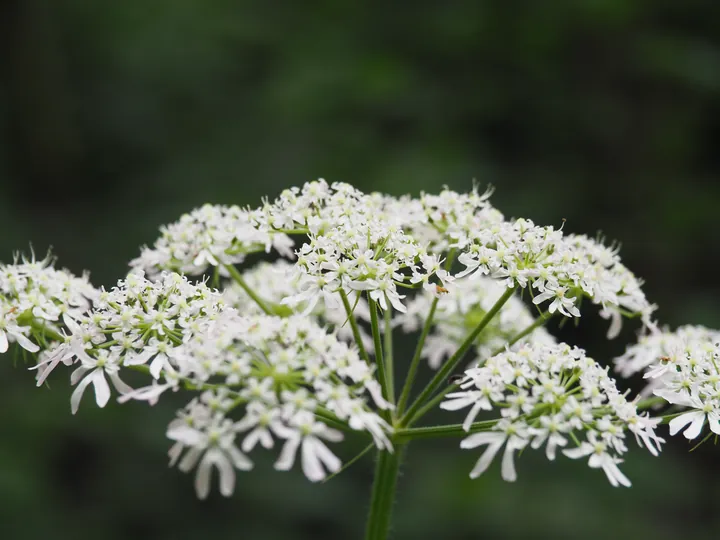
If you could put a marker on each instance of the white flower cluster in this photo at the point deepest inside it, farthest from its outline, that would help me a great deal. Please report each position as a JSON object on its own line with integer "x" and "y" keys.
{"x": 351, "y": 247}
{"x": 675, "y": 346}
{"x": 137, "y": 323}
{"x": 552, "y": 396}
{"x": 34, "y": 296}
{"x": 457, "y": 314}
{"x": 438, "y": 221}
{"x": 293, "y": 379}
{"x": 210, "y": 236}
{"x": 288, "y": 374}
{"x": 684, "y": 369}
{"x": 556, "y": 268}
{"x": 272, "y": 357}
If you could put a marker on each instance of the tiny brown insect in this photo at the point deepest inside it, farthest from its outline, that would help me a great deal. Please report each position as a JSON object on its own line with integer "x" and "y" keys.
{"x": 440, "y": 289}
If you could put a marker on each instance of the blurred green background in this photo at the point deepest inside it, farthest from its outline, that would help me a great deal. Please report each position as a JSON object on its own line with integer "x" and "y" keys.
{"x": 116, "y": 117}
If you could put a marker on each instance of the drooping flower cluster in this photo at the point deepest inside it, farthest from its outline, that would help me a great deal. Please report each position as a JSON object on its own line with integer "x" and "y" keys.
{"x": 34, "y": 297}
{"x": 457, "y": 314}
{"x": 684, "y": 369}
{"x": 553, "y": 396}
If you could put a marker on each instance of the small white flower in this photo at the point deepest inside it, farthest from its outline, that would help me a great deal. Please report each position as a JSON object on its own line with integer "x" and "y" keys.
{"x": 306, "y": 433}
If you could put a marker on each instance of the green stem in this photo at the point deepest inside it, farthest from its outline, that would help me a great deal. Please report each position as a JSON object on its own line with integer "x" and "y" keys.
{"x": 375, "y": 325}
{"x": 245, "y": 287}
{"x": 649, "y": 402}
{"x": 432, "y": 432}
{"x": 354, "y": 326}
{"x": 331, "y": 419}
{"x": 389, "y": 358}
{"x": 447, "y": 368}
{"x": 269, "y": 308}
{"x": 292, "y": 231}
{"x": 422, "y": 411}
{"x": 387, "y": 468}
{"x": 537, "y": 323}
{"x": 407, "y": 387}
{"x": 46, "y": 332}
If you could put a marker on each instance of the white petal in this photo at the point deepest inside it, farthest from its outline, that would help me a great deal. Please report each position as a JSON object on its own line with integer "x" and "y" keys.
{"x": 311, "y": 465}
{"x": 484, "y": 462}
{"x": 156, "y": 365}
{"x": 478, "y": 439}
{"x": 508, "y": 465}
{"x": 583, "y": 450}
{"x": 78, "y": 374}
{"x": 185, "y": 434}
{"x": 251, "y": 439}
{"x": 458, "y": 400}
{"x": 330, "y": 460}
{"x": 102, "y": 389}
{"x": 614, "y": 474}
{"x": 470, "y": 418}
{"x": 202, "y": 479}
{"x": 225, "y": 468}
{"x": 119, "y": 385}
{"x": 3, "y": 342}
{"x": 78, "y": 393}
{"x": 714, "y": 422}
{"x": 695, "y": 428}
{"x": 240, "y": 460}
{"x": 677, "y": 424}
{"x": 287, "y": 454}
{"x": 174, "y": 452}
{"x": 26, "y": 344}
{"x": 190, "y": 459}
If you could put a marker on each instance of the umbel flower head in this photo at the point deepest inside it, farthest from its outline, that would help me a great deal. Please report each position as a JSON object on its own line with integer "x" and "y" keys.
{"x": 682, "y": 368}
{"x": 552, "y": 396}
{"x": 286, "y": 356}
{"x": 34, "y": 298}
{"x": 290, "y": 378}
{"x": 208, "y": 236}
{"x": 139, "y": 323}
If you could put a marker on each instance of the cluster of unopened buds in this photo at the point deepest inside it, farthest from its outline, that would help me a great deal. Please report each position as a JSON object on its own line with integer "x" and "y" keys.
{"x": 297, "y": 351}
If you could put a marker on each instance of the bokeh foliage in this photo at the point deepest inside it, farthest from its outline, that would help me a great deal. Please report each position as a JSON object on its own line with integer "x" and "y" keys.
{"x": 118, "y": 116}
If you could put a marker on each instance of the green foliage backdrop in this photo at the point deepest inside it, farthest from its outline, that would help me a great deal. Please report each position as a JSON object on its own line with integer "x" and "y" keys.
{"x": 115, "y": 117}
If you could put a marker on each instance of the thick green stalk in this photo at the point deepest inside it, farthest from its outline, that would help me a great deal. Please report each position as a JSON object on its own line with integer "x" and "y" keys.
{"x": 387, "y": 469}
{"x": 447, "y": 368}
{"x": 407, "y": 387}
